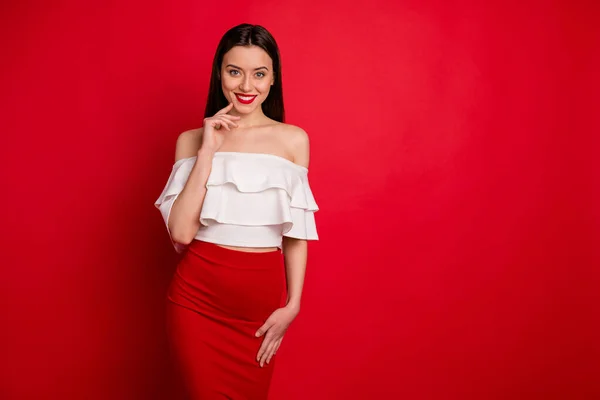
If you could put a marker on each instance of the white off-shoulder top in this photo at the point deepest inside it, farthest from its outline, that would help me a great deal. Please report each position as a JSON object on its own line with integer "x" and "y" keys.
{"x": 252, "y": 200}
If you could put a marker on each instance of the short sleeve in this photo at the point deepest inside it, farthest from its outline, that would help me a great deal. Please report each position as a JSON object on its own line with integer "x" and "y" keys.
{"x": 303, "y": 208}
{"x": 175, "y": 184}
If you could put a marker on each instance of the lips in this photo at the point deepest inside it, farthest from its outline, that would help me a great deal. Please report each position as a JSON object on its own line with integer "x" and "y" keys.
{"x": 245, "y": 99}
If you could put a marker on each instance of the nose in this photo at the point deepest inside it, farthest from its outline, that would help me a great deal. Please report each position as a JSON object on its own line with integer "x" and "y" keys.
{"x": 245, "y": 85}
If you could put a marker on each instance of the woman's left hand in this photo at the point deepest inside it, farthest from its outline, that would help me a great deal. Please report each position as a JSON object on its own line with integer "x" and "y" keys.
{"x": 273, "y": 330}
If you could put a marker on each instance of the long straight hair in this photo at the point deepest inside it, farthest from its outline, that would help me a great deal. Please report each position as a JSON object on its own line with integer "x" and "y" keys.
{"x": 247, "y": 35}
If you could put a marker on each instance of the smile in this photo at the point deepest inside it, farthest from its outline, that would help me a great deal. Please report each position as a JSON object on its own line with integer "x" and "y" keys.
{"x": 245, "y": 99}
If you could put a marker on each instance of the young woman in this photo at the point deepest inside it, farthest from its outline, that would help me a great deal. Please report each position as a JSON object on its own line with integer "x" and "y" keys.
{"x": 239, "y": 205}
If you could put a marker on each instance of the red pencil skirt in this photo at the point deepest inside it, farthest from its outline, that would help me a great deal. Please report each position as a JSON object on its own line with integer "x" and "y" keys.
{"x": 217, "y": 300}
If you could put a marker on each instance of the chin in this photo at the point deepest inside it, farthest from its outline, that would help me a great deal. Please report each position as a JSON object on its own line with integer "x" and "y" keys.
{"x": 240, "y": 108}
{"x": 246, "y": 109}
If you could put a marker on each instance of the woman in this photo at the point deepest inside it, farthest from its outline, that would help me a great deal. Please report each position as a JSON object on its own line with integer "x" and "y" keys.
{"x": 238, "y": 198}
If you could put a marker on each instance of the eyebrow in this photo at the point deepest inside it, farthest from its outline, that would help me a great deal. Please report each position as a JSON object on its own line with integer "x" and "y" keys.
{"x": 256, "y": 69}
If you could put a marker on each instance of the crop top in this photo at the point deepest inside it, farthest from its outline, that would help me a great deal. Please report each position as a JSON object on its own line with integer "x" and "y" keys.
{"x": 252, "y": 200}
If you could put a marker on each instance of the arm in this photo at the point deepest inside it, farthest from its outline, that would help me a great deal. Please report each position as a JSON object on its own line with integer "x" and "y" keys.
{"x": 295, "y": 253}
{"x": 184, "y": 220}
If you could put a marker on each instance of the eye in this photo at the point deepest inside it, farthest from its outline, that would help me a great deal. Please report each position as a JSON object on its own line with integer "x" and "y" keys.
{"x": 260, "y": 74}
{"x": 233, "y": 72}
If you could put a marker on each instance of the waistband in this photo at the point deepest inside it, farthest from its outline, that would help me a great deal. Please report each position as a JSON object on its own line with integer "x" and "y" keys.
{"x": 213, "y": 253}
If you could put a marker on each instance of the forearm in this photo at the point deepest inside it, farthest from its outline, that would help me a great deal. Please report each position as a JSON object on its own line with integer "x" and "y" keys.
{"x": 184, "y": 219}
{"x": 295, "y": 252}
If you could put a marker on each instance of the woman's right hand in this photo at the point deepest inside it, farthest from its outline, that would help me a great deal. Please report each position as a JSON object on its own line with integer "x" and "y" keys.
{"x": 212, "y": 138}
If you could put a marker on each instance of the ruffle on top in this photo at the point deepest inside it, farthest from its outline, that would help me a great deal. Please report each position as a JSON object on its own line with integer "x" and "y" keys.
{"x": 247, "y": 191}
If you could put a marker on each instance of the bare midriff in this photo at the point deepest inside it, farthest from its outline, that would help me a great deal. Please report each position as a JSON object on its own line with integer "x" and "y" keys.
{"x": 250, "y": 249}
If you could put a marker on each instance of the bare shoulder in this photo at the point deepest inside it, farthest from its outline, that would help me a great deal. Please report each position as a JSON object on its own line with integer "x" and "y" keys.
{"x": 298, "y": 144}
{"x": 188, "y": 143}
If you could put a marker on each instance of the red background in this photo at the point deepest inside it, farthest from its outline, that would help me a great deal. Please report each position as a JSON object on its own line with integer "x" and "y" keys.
{"x": 452, "y": 148}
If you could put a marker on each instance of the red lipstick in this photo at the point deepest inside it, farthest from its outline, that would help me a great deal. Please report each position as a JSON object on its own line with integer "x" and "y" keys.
{"x": 245, "y": 99}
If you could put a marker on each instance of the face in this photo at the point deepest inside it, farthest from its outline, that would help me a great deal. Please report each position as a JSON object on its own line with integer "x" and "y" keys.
{"x": 246, "y": 77}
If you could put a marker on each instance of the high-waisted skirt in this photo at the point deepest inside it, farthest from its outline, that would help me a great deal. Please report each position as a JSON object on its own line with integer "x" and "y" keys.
{"x": 217, "y": 300}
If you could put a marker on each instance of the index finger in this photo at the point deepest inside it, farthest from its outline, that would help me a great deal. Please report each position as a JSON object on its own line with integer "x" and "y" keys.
{"x": 225, "y": 110}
